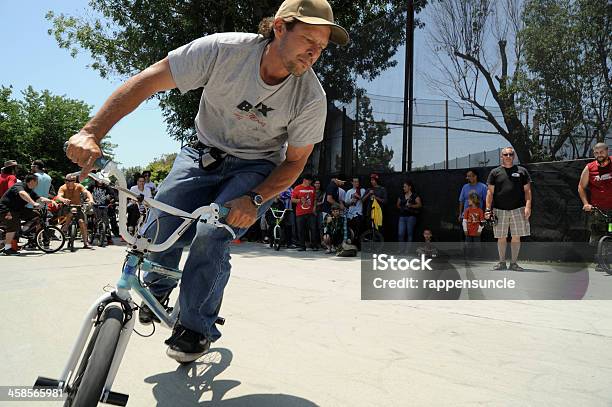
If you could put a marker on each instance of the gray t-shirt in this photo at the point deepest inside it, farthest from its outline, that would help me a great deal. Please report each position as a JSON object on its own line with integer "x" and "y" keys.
{"x": 239, "y": 113}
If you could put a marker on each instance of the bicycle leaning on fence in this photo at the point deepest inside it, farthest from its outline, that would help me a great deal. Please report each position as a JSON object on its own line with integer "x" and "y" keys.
{"x": 93, "y": 363}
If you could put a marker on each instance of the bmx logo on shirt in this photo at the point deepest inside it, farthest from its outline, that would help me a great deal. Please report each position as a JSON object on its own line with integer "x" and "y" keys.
{"x": 306, "y": 201}
{"x": 251, "y": 112}
{"x": 603, "y": 177}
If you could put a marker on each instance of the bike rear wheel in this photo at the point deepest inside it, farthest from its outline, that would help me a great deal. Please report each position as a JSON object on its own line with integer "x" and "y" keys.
{"x": 50, "y": 239}
{"x": 604, "y": 254}
{"x": 86, "y": 389}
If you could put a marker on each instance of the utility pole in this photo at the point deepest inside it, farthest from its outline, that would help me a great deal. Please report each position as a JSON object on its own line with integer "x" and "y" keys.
{"x": 446, "y": 131}
{"x": 408, "y": 89}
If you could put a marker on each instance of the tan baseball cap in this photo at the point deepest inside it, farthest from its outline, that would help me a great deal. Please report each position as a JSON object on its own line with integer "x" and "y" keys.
{"x": 315, "y": 12}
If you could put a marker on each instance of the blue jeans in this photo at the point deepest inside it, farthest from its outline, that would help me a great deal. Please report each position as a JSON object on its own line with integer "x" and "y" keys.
{"x": 207, "y": 268}
{"x": 405, "y": 227}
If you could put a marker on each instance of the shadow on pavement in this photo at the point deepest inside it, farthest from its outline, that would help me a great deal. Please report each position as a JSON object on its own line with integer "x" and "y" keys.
{"x": 252, "y": 249}
{"x": 187, "y": 385}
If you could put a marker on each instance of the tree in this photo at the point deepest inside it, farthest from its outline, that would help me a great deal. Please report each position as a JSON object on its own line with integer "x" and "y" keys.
{"x": 568, "y": 49}
{"x": 127, "y": 36}
{"x": 371, "y": 154}
{"x": 37, "y": 126}
{"x": 160, "y": 167}
{"x": 462, "y": 42}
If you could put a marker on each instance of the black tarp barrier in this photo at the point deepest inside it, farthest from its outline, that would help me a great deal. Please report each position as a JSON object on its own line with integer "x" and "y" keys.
{"x": 556, "y": 209}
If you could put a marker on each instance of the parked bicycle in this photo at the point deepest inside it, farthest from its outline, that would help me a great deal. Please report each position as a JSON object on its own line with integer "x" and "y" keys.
{"x": 604, "y": 245}
{"x": 110, "y": 320}
{"x": 39, "y": 233}
{"x": 278, "y": 235}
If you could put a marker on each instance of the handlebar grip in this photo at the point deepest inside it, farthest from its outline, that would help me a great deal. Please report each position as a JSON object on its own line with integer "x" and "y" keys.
{"x": 223, "y": 211}
{"x": 98, "y": 164}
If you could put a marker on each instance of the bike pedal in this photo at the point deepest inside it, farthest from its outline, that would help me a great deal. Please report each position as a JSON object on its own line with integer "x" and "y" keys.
{"x": 45, "y": 382}
{"x": 116, "y": 399}
{"x": 220, "y": 321}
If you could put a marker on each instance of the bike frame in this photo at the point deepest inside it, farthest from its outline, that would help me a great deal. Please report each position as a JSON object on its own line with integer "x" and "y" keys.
{"x": 277, "y": 220}
{"x": 138, "y": 246}
{"x": 607, "y": 219}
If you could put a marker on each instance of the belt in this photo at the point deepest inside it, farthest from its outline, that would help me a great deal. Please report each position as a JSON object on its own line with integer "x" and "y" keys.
{"x": 210, "y": 157}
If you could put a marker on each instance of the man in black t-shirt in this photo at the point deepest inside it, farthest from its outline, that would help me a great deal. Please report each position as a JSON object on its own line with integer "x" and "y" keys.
{"x": 509, "y": 197}
{"x": 13, "y": 209}
{"x": 332, "y": 195}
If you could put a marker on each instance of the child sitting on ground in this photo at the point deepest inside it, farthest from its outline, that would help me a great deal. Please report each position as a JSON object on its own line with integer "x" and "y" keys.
{"x": 335, "y": 230}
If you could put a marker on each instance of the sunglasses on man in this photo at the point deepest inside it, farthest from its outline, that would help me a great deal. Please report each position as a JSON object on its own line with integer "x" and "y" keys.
{"x": 508, "y": 154}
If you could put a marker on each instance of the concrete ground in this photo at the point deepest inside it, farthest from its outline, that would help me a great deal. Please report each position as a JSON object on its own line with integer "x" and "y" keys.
{"x": 298, "y": 335}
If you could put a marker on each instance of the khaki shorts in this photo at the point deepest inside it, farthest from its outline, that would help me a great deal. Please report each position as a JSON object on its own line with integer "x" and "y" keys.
{"x": 514, "y": 220}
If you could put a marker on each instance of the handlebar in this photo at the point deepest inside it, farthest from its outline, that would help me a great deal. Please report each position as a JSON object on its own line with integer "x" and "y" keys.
{"x": 208, "y": 213}
{"x": 598, "y": 210}
{"x": 278, "y": 213}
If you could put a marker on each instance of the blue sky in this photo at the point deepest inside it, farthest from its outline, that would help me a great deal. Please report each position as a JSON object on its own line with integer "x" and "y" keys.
{"x": 32, "y": 57}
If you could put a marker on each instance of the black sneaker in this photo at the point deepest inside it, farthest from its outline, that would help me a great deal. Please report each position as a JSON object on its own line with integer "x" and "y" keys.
{"x": 500, "y": 266}
{"x": 186, "y": 345}
{"x": 10, "y": 252}
{"x": 146, "y": 316}
{"x": 516, "y": 267}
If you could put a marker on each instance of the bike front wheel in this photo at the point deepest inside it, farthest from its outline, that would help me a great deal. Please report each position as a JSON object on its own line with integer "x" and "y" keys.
{"x": 278, "y": 238}
{"x": 86, "y": 389}
{"x": 72, "y": 235}
{"x": 101, "y": 234}
{"x": 604, "y": 254}
{"x": 50, "y": 239}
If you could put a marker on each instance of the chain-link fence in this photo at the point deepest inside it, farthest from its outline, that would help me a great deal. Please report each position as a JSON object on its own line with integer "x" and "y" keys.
{"x": 366, "y": 135}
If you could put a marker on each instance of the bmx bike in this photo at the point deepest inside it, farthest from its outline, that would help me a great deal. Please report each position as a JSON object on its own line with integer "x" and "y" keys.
{"x": 94, "y": 361}
{"x": 39, "y": 233}
{"x": 73, "y": 226}
{"x": 100, "y": 225}
{"x": 278, "y": 236}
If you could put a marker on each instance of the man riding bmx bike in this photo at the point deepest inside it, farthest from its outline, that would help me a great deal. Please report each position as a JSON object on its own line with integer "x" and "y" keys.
{"x": 261, "y": 112}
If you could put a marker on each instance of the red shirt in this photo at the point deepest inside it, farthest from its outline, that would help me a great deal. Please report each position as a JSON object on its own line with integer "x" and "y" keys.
{"x": 6, "y": 181}
{"x": 306, "y": 197}
{"x": 600, "y": 184}
{"x": 473, "y": 216}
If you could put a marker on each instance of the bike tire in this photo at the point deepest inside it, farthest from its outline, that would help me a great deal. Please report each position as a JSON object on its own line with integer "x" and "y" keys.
{"x": 101, "y": 234}
{"x": 604, "y": 254}
{"x": 40, "y": 238}
{"x": 97, "y": 360}
{"x": 278, "y": 240}
{"x": 72, "y": 230}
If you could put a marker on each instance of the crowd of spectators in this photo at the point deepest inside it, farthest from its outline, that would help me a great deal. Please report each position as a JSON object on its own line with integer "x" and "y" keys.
{"x": 22, "y": 195}
{"x": 331, "y": 218}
